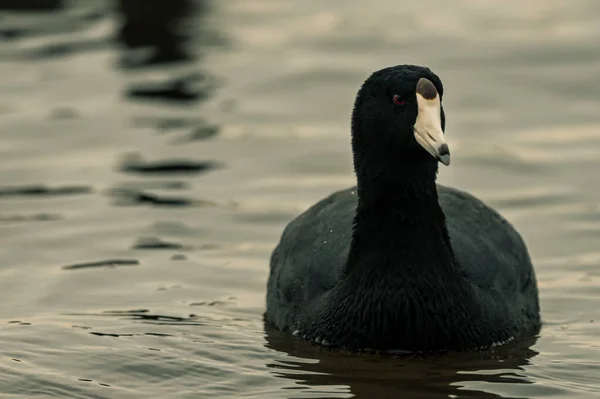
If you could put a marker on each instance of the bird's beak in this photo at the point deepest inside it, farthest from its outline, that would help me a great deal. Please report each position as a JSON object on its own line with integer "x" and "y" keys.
{"x": 428, "y": 126}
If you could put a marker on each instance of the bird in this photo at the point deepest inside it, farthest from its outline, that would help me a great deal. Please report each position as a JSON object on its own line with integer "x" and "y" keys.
{"x": 399, "y": 263}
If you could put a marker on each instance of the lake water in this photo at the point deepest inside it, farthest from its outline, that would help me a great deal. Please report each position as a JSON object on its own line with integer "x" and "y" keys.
{"x": 142, "y": 189}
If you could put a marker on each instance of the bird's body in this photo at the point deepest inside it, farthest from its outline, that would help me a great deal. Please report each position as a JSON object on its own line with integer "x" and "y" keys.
{"x": 398, "y": 262}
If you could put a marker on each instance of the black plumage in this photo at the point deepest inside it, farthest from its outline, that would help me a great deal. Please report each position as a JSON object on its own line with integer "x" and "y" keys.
{"x": 399, "y": 262}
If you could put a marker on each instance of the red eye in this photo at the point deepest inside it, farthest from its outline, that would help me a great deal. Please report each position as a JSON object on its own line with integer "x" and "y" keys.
{"x": 398, "y": 100}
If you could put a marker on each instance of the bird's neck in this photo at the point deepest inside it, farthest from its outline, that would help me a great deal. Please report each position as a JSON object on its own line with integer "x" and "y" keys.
{"x": 402, "y": 283}
{"x": 399, "y": 226}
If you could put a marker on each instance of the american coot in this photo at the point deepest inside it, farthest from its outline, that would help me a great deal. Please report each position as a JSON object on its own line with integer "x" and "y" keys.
{"x": 399, "y": 262}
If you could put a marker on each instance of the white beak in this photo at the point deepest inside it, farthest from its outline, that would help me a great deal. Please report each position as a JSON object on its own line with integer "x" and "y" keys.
{"x": 428, "y": 126}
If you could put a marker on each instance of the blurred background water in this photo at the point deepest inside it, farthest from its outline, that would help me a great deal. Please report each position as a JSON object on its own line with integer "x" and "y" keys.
{"x": 152, "y": 152}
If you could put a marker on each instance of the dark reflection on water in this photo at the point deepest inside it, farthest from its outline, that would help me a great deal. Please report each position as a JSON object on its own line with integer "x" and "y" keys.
{"x": 158, "y": 34}
{"x": 156, "y": 243}
{"x": 134, "y": 163}
{"x": 104, "y": 263}
{"x": 159, "y": 27}
{"x": 195, "y": 129}
{"x": 185, "y": 89}
{"x": 42, "y": 191}
{"x": 31, "y": 5}
{"x": 129, "y": 197}
{"x": 380, "y": 376}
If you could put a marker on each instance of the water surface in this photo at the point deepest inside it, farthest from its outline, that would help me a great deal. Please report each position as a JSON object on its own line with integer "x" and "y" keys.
{"x": 151, "y": 157}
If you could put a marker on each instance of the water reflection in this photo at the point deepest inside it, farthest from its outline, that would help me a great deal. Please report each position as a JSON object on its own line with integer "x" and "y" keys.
{"x": 158, "y": 26}
{"x": 155, "y": 37}
{"x": 35, "y": 6}
{"x": 371, "y": 376}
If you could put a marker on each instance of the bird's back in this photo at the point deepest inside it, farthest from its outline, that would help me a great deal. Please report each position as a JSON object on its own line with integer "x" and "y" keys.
{"x": 312, "y": 253}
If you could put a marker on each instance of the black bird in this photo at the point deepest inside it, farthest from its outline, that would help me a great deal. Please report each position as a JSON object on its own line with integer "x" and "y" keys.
{"x": 399, "y": 263}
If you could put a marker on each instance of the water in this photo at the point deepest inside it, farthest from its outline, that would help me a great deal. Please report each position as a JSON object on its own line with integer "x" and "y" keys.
{"x": 140, "y": 198}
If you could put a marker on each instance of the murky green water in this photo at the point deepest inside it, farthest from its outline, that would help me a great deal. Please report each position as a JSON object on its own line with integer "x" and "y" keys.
{"x": 139, "y": 202}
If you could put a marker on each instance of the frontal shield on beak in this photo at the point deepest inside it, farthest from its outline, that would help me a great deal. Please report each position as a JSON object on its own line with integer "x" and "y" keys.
{"x": 428, "y": 126}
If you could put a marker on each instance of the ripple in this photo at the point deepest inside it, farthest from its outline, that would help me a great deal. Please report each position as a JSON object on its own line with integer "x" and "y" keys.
{"x": 149, "y": 185}
{"x": 110, "y": 263}
{"x": 229, "y": 301}
{"x": 166, "y": 123}
{"x": 133, "y": 197}
{"x": 195, "y": 129}
{"x": 204, "y": 132}
{"x": 157, "y": 243}
{"x": 38, "y": 217}
{"x": 115, "y": 335}
{"x": 134, "y": 163}
{"x": 19, "y": 322}
{"x": 187, "y": 89}
{"x": 43, "y": 191}
{"x": 144, "y": 315}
